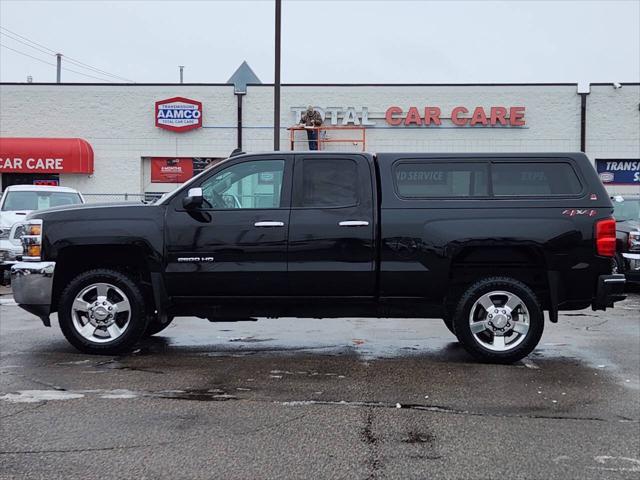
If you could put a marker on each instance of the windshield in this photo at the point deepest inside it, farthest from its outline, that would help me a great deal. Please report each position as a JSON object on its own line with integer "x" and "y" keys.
{"x": 38, "y": 200}
{"x": 626, "y": 210}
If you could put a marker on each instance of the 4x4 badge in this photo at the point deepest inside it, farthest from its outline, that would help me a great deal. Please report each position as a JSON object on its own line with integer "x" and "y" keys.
{"x": 572, "y": 212}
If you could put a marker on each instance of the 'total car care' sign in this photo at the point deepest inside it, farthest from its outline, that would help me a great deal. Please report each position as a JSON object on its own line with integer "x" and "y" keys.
{"x": 459, "y": 116}
{"x": 456, "y": 117}
{"x": 619, "y": 171}
{"x": 178, "y": 114}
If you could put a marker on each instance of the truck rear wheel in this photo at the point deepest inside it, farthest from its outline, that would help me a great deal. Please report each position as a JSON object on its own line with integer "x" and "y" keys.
{"x": 499, "y": 320}
{"x": 102, "y": 312}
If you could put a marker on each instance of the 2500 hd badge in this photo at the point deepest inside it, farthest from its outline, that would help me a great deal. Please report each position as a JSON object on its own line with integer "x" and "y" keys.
{"x": 194, "y": 259}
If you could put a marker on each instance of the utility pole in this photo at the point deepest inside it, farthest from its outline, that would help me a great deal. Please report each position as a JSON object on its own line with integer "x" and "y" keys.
{"x": 58, "y": 67}
{"x": 276, "y": 91}
{"x": 181, "y": 71}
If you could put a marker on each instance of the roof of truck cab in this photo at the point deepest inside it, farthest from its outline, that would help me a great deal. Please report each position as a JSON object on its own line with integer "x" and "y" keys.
{"x": 297, "y": 152}
{"x": 385, "y": 156}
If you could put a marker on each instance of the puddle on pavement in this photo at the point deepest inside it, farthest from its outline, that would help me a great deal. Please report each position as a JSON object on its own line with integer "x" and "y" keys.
{"x": 199, "y": 395}
{"x": 418, "y": 437}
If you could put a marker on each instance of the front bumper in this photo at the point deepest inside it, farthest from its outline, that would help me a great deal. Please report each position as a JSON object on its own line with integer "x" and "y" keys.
{"x": 8, "y": 257}
{"x": 32, "y": 285}
{"x": 9, "y": 251}
{"x": 610, "y": 290}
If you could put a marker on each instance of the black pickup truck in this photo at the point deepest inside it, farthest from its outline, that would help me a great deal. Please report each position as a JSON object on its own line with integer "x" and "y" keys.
{"x": 487, "y": 242}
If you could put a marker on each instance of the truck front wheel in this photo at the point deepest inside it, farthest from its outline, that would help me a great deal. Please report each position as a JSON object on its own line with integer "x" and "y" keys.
{"x": 499, "y": 320}
{"x": 102, "y": 312}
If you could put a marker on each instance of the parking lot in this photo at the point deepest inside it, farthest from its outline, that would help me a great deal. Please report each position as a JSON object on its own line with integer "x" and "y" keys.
{"x": 307, "y": 398}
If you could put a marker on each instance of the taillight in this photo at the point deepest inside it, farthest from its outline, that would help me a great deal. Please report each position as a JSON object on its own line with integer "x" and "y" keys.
{"x": 606, "y": 237}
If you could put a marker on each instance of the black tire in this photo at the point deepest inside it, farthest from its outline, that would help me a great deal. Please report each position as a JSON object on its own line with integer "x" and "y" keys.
{"x": 463, "y": 328}
{"x": 155, "y": 326}
{"x": 137, "y": 323}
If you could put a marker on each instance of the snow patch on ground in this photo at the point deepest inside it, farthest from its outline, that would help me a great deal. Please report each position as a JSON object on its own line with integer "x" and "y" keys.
{"x": 34, "y": 396}
{"x": 119, "y": 394}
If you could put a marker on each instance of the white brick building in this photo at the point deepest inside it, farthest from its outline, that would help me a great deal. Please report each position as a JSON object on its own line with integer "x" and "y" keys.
{"x": 119, "y": 122}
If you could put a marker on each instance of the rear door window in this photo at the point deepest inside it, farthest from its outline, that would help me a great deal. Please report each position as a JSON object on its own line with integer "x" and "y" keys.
{"x": 327, "y": 182}
{"x": 534, "y": 179}
{"x": 439, "y": 179}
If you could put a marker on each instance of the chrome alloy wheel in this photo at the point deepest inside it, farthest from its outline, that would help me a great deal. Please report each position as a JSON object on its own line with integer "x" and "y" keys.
{"x": 499, "y": 321}
{"x": 101, "y": 312}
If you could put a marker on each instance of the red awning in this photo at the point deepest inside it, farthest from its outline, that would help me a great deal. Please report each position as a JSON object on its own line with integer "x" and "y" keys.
{"x": 45, "y": 155}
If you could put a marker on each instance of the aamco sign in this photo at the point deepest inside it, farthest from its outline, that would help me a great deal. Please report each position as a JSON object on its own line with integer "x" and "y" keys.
{"x": 178, "y": 114}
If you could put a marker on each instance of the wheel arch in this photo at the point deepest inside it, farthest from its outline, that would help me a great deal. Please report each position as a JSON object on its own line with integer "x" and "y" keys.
{"x": 525, "y": 263}
{"x": 131, "y": 260}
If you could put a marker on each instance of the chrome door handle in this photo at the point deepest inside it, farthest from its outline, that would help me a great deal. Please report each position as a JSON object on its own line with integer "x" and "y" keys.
{"x": 353, "y": 223}
{"x": 268, "y": 224}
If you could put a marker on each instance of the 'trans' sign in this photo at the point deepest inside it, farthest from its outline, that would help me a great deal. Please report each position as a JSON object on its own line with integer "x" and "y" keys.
{"x": 619, "y": 171}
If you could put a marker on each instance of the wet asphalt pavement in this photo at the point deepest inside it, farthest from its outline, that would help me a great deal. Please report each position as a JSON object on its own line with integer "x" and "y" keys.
{"x": 316, "y": 399}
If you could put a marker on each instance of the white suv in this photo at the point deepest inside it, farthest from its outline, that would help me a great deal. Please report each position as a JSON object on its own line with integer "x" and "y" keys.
{"x": 16, "y": 203}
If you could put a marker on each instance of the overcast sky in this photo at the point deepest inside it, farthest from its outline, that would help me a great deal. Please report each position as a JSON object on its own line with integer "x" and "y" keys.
{"x": 327, "y": 41}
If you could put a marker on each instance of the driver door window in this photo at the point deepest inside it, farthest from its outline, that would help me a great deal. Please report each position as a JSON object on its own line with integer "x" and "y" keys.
{"x": 248, "y": 185}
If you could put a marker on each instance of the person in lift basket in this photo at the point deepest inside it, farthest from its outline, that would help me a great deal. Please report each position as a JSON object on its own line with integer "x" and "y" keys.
{"x": 310, "y": 119}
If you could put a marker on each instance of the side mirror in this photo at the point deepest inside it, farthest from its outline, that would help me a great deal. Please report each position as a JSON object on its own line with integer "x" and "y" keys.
{"x": 193, "y": 199}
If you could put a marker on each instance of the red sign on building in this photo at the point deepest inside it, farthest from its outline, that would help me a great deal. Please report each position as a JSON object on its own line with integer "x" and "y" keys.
{"x": 460, "y": 116}
{"x": 171, "y": 170}
{"x": 45, "y": 155}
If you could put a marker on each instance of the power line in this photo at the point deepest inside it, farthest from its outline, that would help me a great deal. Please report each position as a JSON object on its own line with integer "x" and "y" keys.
{"x": 97, "y": 70}
{"x": 25, "y": 43}
{"x": 49, "y": 51}
{"x": 53, "y": 64}
{"x": 28, "y": 40}
{"x": 27, "y": 55}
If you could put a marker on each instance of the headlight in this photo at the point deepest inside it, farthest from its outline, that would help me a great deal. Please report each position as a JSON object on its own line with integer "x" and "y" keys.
{"x": 32, "y": 241}
{"x": 634, "y": 240}
{"x": 4, "y": 232}
{"x": 17, "y": 231}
